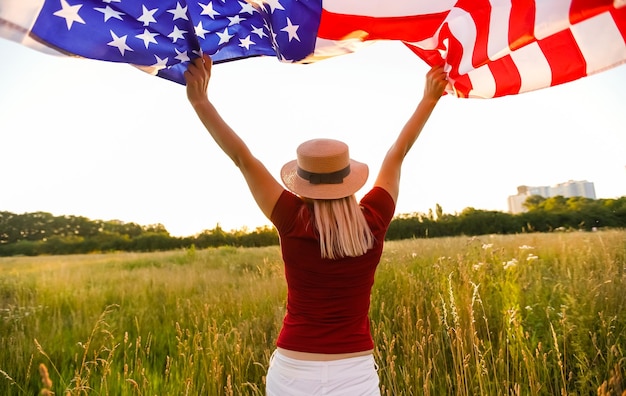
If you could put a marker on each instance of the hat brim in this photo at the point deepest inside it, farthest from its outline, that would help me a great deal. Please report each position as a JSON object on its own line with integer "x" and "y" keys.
{"x": 350, "y": 185}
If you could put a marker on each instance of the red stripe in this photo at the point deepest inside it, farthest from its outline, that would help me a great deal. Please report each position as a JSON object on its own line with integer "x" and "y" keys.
{"x": 480, "y": 11}
{"x": 463, "y": 86}
{"x": 462, "y": 83}
{"x": 521, "y": 23}
{"x": 407, "y": 28}
{"x": 506, "y": 75}
{"x": 566, "y": 61}
{"x": 585, "y": 9}
{"x": 431, "y": 57}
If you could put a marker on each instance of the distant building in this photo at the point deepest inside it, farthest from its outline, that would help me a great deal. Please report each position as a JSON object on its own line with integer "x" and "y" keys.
{"x": 568, "y": 189}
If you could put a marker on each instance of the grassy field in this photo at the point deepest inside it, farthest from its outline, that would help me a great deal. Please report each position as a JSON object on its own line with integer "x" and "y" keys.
{"x": 536, "y": 314}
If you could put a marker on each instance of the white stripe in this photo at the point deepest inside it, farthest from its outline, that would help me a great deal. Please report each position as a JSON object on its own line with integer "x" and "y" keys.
{"x": 600, "y": 42}
{"x": 17, "y": 18}
{"x": 498, "y": 42}
{"x": 483, "y": 83}
{"x": 387, "y": 8}
{"x": 551, "y": 16}
{"x": 20, "y": 12}
{"x": 533, "y": 67}
{"x": 329, "y": 48}
{"x": 462, "y": 27}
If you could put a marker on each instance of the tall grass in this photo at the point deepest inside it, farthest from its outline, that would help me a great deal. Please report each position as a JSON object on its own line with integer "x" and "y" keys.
{"x": 536, "y": 314}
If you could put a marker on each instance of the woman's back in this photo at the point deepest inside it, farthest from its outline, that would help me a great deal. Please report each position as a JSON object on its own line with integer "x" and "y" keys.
{"x": 328, "y": 300}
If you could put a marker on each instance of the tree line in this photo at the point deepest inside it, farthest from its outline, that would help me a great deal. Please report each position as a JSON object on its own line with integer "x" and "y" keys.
{"x": 40, "y": 233}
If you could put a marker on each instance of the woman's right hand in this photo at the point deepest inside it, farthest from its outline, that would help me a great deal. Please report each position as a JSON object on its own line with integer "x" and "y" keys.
{"x": 436, "y": 82}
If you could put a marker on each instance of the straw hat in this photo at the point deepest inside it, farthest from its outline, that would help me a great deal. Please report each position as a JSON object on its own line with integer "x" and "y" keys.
{"x": 323, "y": 170}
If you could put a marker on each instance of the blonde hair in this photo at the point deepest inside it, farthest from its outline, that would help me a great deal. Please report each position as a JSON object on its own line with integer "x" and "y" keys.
{"x": 342, "y": 228}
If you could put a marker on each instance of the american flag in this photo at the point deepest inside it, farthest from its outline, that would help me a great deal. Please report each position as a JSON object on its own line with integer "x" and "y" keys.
{"x": 490, "y": 48}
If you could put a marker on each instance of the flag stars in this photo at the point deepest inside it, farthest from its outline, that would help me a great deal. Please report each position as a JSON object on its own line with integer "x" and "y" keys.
{"x": 119, "y": 43}
{"x": 177, "y": 34}
{"x": 258, "y": 31}
{"x": 147, "y": 37}
{"x": 160, "y": 63}
{"x": 224, "y": 36}
{"x": 200, "y": 31}
{"x": 292, "y": 30}
{"x": 246, "y": 7}
{"x": 70, "y": 13}
{"x": 179, "y": 12}
{"x": 147, "y": 16}
{"x": 110, "y": 13}
{"x": 181, "y": 56}
{"x": 246, "y": 42}
{"x": 207, "y": 9}
{"x": 235, "y": 20}
{"x": 274, "y": 5}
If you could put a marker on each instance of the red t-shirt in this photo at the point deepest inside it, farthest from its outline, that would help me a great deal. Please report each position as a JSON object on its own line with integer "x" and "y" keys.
{"x": 327, "y": 300}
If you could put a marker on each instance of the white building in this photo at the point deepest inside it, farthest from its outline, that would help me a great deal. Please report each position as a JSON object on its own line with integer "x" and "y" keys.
{"x": 568, "y": 189}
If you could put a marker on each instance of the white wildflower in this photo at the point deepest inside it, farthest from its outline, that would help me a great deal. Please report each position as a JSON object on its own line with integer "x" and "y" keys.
{"x": 525, "y": 247}
{"x": 477, "y": 266}
{"x": 509, "y": 264}
{"x": 531, "y": 257}
{"x": 487, "y": 246}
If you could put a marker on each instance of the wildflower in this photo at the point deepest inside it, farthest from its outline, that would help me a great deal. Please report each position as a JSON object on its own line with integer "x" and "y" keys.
{"x": 510, "y": 263}
{"x": 477, "y": 266}
{"x": 531, "y": 257}
{"x": 487, "y": 246}
{"x": 413, "y": 254}
{"x": 512, "y": 315}
{"x": 525, "y": 247}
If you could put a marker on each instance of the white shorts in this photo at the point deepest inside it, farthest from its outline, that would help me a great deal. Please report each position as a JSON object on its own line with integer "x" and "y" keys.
{"x": 355, "y": 376}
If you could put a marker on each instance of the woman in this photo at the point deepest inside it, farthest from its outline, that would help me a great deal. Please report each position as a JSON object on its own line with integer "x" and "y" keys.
{"x": 331, "y": 245}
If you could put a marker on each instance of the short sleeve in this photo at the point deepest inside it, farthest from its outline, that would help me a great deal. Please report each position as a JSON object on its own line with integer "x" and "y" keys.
{"x": 284, "y": 213}
{"x": 379, "y": 206}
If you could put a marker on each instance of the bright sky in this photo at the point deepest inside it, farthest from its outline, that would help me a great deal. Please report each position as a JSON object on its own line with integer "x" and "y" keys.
{"x": 107, "y": 141}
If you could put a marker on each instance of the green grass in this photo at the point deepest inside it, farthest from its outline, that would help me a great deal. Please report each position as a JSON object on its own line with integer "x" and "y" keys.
{"x": 535, "y": 314}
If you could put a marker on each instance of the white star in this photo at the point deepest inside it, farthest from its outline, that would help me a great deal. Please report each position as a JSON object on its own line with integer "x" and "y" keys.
{"x": 235, "y": 20}
{"x": 274, "y": 5}
{"x": 180, "y": 12}
{"x": 224, "y": 36}
{"x": 258, "y": 31}
{"x": 246, "y": 42}
{"x": 200, "y": 30}
{"x": 160, "y": 63}
{"x": 70, "y": 13}
{"x": 208, "y": 10}
{"x": 147, "y": 16}
{"x": 246, "y": 7}
{"x": 110, "y": 13}
{"x": 176, "y": 34}
{"x": 111, "y": 1}
{"x": 269, "y": 28}
{"x": 119, "y": 42}
{"x": 292, "y": 30}
{"x": 181, "y": 56}
{"x": 147, "y": 37}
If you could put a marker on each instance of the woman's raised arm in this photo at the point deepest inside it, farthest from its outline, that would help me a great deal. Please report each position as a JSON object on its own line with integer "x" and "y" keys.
{"x": 264, "y": 187}
{"x": 389, "y": 174}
